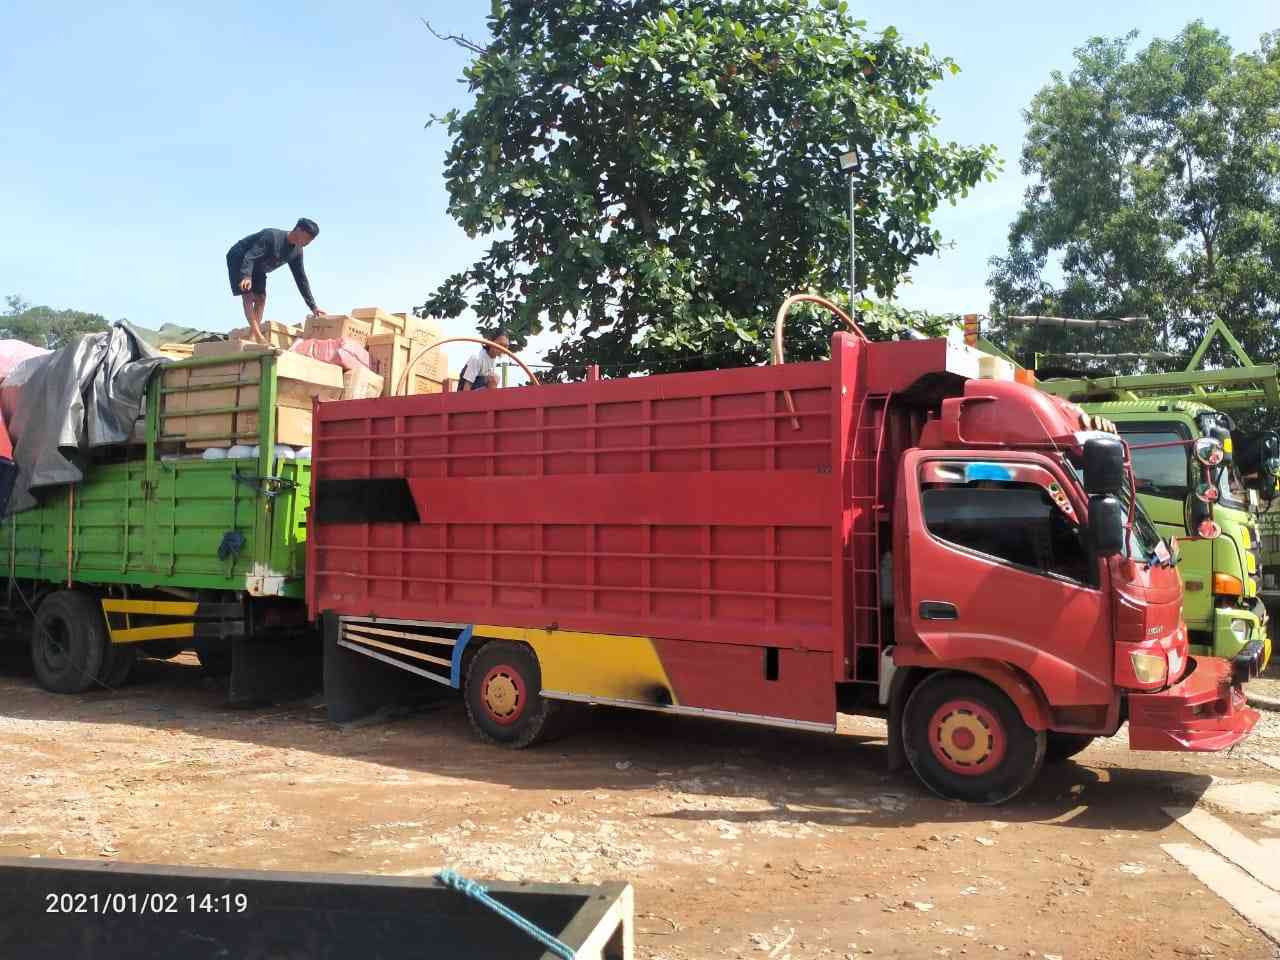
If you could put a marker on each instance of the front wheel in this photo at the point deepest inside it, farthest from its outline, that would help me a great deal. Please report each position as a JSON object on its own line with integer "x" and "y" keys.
{"x": 503, "y": 695}
{"x": 966, "y": 740}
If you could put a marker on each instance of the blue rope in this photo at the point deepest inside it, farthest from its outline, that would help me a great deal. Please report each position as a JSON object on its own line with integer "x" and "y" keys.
{"x": 478, "y": 892}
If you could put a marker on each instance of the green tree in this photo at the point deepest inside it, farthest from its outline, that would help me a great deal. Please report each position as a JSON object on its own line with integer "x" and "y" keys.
{"x": 1155, "y": 192}
{"x": 45, "y": 326}
{"x": 659, "y": 174}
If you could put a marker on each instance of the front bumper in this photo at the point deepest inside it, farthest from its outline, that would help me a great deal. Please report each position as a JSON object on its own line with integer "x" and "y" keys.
{"x": 1226, "y": 642}
{"x": 1203, "y": 712}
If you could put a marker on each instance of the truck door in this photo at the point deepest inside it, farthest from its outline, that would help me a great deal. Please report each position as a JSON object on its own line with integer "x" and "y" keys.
{"x": 999, "y": 571}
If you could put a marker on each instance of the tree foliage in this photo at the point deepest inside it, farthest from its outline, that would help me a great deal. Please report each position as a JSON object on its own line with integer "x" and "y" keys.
{"x": 657, "y": 175}
{"x": 45, "y": 326}
{"x": 1156, "y": 193}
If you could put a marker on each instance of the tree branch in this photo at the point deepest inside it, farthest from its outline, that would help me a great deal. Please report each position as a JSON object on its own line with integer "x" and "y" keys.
{"x": 461, "y": 41}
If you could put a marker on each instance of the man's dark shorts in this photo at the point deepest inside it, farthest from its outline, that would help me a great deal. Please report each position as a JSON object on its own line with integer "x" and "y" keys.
{"x": 233, "y": 274}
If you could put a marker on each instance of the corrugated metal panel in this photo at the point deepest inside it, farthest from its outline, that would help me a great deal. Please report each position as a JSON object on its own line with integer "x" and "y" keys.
{"x": 681, "y": 506}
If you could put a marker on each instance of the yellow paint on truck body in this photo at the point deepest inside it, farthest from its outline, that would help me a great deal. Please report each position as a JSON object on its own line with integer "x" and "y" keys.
{"x": 591, "y": 664}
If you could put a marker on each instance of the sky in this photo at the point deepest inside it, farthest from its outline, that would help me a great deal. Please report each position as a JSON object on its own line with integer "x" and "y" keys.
{"x": 143, "y": 139}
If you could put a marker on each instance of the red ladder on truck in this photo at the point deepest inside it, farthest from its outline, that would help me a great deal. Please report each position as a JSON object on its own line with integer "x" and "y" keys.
{"x": 868, "y": 511}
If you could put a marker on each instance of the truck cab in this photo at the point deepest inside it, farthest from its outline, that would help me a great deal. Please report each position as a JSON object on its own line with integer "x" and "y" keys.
{"x": 1222, "y": 607}
{"x": 1012, "y": 509}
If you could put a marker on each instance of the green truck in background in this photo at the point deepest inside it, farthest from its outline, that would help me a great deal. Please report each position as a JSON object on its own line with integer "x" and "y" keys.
{"x": 1161, "y": 415}
{"x": 159, "y": 549}
{"x": 1221, "y": 603}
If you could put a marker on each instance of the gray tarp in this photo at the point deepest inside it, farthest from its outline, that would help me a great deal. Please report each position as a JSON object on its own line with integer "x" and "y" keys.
{"x": 61, "y": 406}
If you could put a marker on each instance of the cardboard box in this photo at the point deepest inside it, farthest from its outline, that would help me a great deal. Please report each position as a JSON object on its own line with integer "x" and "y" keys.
{"x": 227, "y": 348}
{"x": 235, "y": 384}
{"x": 277, "y": 334}
{"x": 391, "y": 355}
{"x": 361, "y": 384}
{"x": 335, "y": 326}
{"x": 401, "y": 324}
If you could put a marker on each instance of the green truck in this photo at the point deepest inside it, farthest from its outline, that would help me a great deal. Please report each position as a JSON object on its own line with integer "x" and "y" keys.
{"x": 160, "y": 549}
{"x": 1161, "y": 414}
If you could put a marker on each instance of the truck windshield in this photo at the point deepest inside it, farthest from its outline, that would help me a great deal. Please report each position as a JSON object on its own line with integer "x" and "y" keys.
{"x": 1160, "y": 471}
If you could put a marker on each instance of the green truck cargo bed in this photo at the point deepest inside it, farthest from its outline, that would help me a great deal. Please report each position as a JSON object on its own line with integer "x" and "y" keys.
{"x": 160, "y": 516}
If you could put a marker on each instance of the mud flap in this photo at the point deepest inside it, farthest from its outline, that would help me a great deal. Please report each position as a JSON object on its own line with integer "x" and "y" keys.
{"x": 356, "y": 685}
{"x": 270, "y": 670}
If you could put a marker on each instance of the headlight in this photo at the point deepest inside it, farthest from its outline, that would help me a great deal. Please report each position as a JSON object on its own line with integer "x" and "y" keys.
{"x": 1149, "y": 667}
{"x": 1240, "y": 629}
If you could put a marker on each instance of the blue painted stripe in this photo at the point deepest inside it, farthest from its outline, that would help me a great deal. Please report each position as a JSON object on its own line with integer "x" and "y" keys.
{"x": 455, "y": 665}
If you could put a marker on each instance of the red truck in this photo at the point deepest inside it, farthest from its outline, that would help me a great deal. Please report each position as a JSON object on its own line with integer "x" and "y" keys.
{"x": 882, "y": 533}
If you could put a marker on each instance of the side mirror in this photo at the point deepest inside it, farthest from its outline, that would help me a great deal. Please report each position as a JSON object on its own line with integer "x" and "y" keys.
{"x": 1106, "y": 525}
{"x": 1104, "y": 465}
{"x": 1208, "y": 451}
{"x": 1198, "y": 519}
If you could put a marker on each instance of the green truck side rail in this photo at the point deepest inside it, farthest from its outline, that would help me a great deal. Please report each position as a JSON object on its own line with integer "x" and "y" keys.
{"x": 153, "y": 521}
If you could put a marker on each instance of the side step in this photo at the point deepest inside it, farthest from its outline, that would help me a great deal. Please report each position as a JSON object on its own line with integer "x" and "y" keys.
{"x": 371, "y": 663}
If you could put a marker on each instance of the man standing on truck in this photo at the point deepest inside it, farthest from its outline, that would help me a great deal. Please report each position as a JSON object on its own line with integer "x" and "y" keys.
{"x": 251, "y": 259}
{"x": 480, "y": 372}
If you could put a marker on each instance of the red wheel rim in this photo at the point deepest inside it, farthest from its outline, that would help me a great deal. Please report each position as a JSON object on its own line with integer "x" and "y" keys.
{"x": 967, "y": 738}
{"x": 503, "y": 695}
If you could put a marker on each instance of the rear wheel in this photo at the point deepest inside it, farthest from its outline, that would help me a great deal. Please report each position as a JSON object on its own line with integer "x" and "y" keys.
{"x": 68, "y": 642}
{"x": 966, "y": 740}
{"x": 1064, "y": 746}
{"x": 503, "y": 698}
{"x": 118, "y": 664}
{"x": 214, "y": 655}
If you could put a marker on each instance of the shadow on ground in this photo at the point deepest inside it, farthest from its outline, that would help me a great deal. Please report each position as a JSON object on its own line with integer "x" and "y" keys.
{"x": 793, "y": 776}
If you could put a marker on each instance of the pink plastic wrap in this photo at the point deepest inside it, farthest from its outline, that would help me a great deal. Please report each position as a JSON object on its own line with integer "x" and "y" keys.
{"x": 346, "y": 353}
{"x": 13, "y": 352}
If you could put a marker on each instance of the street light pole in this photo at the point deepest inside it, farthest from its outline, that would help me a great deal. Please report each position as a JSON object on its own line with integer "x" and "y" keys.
{"x": 849, "y": 165}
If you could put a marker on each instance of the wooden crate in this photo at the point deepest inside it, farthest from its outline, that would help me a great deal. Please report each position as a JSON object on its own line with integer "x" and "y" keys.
{"x": 335, "y": 326}
{"x": 391, "y": 355}
{"x": 298, "y": 380}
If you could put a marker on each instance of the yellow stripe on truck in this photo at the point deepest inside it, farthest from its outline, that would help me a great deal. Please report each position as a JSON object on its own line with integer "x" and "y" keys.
{"x": 151, "y": 608}
{"x": 165, "y": 631}
{"x": 591, "y": 664}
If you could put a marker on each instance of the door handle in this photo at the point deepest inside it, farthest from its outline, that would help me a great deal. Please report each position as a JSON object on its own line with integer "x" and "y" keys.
{"x": 938, "y": 610}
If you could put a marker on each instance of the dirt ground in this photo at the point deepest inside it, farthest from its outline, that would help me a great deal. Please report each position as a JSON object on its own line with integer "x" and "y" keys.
{"x": 740, "y": 841}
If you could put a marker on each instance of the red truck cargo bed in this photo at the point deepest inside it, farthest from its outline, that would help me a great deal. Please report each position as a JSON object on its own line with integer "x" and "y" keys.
{"x": 685, "y": 506}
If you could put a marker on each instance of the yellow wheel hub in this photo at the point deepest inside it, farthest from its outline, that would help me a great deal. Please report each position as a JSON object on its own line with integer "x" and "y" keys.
{"x": 501, "y": 695}
{"x": 964, "y": 738}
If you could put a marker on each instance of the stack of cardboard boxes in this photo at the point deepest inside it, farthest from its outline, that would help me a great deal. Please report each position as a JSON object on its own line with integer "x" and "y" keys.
{"x": 397, "y": 339}
{"x": 298, "y": 380}
{"x": 391, "y": 339}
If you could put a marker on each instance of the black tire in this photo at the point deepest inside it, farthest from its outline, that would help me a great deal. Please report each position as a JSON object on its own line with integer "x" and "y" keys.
{"x": 68, "y": 642}
{"x": 991, "y": 756}
{"x": 118, "y": 664}
{"x": 1064, "y": 746}
{"x": 215, "y": 657}
{"x": 502, "y": 695}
